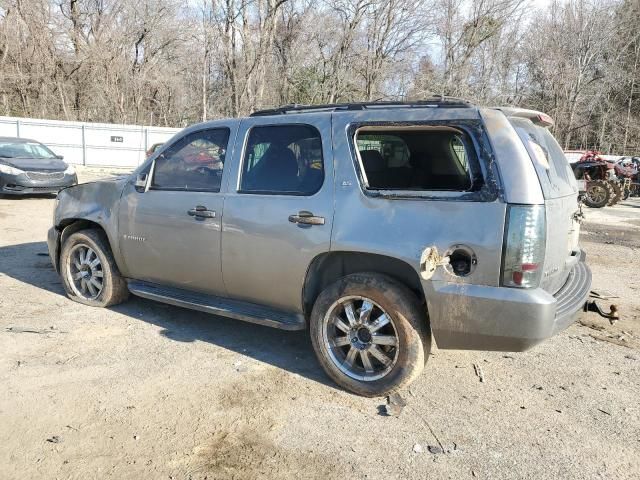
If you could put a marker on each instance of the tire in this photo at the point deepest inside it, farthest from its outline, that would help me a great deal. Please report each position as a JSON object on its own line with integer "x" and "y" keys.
{"x": 104, "y": 272}
{"x": 616, "y": 193}
{"x": 408, "y": 323}
{"x": 626, "y": 193}
{"x": 598, "y": 194}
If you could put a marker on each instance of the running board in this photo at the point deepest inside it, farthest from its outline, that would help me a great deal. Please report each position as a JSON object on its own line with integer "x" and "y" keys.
{"x": 248, "y": 312}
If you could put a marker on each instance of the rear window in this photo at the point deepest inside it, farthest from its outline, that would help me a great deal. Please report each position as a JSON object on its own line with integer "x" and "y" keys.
{"x": 414, "y": 159}
{"x": 550, "y": 162}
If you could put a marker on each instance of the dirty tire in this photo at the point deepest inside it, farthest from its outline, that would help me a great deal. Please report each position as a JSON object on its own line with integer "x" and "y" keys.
{"x": 616, "y": 193}
{"x": 410, "y": 321}
{"x": 114, "y": 288}
{"x": 598, "y": 194}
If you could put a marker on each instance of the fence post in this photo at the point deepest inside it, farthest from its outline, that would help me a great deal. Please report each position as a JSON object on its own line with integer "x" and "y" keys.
{"x": 18, "y": 128}
{"x": 84, "y": 148}
{"x": 146, "y": 143}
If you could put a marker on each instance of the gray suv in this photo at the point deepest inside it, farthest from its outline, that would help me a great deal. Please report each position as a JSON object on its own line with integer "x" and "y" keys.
{"x": 374, "y": 225}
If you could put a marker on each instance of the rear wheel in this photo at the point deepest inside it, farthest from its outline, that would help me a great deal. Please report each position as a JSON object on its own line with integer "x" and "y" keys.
{"x": 598, "y": 194}
{"x": 370, "y": 334}
{"x": 89, "y": 272}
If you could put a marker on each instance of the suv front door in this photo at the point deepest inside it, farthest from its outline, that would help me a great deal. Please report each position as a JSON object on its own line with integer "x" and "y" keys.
{"x": 278, "y": 215}
{"x": 170, "y": 230}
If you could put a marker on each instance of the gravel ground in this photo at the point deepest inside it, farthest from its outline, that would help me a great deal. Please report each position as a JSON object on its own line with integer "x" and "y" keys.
{"x": 146, "y": 390}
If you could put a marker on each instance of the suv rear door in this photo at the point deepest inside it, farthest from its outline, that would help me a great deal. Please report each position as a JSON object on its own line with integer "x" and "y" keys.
{"x": 278, "y": 213}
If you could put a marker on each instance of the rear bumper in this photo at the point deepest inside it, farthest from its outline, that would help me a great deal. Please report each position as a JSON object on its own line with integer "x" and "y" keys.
{"x": 23, "y": 185}
{"x": 475, "y": 317}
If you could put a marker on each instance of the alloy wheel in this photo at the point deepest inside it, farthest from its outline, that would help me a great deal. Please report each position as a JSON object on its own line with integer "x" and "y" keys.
{"x": 84, "y": 271}
{"x": 361, "y": 338}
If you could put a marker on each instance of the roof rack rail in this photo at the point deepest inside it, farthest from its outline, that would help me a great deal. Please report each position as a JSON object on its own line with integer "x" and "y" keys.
{"x": 440, "y": 101}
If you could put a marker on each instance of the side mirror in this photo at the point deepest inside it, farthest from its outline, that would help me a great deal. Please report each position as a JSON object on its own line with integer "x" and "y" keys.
{"x": 141, "y": 182}
{"x": 59, "y": 157}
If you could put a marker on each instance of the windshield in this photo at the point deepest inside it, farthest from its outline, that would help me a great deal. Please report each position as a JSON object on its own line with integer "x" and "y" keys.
{"x": 25, "y": 150}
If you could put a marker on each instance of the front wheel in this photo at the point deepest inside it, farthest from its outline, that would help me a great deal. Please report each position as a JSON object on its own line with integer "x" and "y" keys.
{"x": 370, "y": 333}
{"x": 89, "y": 273}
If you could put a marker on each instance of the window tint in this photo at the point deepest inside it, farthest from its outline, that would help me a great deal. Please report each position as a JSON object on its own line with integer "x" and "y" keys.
{"x": 194, "y": 162}
{"x": 283, "y": 159}
{"x": 414, "y": 159}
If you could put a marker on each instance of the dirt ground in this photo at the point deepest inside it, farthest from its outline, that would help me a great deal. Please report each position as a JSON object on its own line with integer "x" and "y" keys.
{"x": 146, "y": 390}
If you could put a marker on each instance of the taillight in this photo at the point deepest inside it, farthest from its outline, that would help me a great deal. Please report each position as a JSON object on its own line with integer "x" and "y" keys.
{"x": 524, "y": 245}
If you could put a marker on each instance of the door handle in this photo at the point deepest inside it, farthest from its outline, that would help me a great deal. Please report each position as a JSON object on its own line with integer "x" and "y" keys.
{"x": 306, "y": 218}
{"x": 201, "y": 212}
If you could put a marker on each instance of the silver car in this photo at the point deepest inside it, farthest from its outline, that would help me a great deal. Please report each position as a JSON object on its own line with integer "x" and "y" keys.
{"x": 376, "y": 226}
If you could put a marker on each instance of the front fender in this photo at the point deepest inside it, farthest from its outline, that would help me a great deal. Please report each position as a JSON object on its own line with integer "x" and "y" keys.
{"x": 95, "y": 202}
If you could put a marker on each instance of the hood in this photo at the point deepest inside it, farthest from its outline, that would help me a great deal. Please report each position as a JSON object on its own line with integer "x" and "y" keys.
{"x": 98, "y": 183}
{"x": 35, "y": 164}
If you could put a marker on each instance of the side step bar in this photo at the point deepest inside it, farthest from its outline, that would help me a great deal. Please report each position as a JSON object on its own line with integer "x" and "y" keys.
{"x": 248, "y": 312}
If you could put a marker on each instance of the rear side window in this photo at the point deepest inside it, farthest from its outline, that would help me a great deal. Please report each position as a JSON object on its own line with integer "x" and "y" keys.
{"x": 414, "y": 159}
{"x": 284, "y": 160}
{"x": 551, "y": 164}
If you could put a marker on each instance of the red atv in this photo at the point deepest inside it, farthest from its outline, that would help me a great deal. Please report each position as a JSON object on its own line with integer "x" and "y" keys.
{"x": 628, "y": 172}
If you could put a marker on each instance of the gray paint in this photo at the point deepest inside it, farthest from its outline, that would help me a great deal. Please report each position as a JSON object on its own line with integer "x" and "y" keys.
{"x": 251, "y": 253}
{"x": 161, "y": 243}
{"x": 263, "y": 251}
{"x": 519, "y": 178}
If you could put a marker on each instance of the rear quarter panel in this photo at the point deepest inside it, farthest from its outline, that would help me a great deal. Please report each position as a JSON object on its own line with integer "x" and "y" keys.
{"x": 403, "y": 227}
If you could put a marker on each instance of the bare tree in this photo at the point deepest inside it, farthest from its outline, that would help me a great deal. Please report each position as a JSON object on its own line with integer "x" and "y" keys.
{"x": 172, "y": 62}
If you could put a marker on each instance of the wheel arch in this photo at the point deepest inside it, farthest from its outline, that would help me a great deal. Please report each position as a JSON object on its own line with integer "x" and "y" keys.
{"x": 70, "y": 226}
{"x": 329, "y": 267}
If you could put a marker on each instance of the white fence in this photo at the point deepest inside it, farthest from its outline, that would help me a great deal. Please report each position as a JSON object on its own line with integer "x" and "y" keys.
{"x": 95, "y": 144}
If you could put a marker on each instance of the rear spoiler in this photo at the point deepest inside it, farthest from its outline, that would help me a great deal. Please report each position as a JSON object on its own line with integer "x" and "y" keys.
{"x": 538, "y": 118}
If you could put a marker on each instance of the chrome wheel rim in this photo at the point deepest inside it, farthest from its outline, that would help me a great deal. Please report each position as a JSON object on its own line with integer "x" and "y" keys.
{"x": 84, "y": 271}
{"x": 597, "y": 193}
{"x": 360, "y": 338}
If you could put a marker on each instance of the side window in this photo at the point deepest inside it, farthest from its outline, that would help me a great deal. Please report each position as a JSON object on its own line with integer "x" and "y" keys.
{"x": 414, "y": 159}
{"x": 194, "y": 162}
{"x": 283, "y": 159}
{"x": 460, "y": 152}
